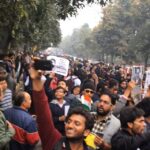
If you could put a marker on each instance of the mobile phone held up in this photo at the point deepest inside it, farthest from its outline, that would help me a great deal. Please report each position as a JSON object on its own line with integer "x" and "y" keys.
{"x": 100, "y": 134}
{"x": 40, "y": 64}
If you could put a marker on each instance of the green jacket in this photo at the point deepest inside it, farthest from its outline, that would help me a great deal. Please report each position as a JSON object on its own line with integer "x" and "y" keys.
{"x": 5, "y": 133}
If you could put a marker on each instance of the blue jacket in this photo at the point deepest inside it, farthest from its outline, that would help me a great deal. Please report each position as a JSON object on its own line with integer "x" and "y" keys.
{"x": 25, "y": 126}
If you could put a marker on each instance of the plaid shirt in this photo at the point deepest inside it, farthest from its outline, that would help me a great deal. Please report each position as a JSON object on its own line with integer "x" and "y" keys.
{"x": 100, "y": 125}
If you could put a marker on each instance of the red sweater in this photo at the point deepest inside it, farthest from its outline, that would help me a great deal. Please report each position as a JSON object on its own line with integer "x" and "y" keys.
{"x": 48, "y": 134}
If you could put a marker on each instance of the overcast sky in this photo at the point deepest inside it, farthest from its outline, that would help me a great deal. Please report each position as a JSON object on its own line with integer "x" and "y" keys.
{"x": 90, "y": 14}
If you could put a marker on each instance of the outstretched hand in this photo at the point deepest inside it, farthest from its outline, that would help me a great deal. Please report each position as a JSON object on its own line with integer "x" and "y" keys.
{"x": 35, "y": 75}
{"x": 131, "y": 84}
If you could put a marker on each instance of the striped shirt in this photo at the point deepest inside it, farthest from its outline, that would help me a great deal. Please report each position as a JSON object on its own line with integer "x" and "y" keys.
{"x": 6, "y": 102}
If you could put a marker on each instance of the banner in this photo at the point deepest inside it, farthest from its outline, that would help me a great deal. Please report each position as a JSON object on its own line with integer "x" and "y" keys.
{"x": 137, "y": 76}
{"x": 61, "y": 65}
{"x": 147, "y": 82}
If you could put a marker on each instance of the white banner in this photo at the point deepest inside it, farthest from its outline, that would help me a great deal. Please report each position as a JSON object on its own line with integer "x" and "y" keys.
{"x": 61, "y": 65}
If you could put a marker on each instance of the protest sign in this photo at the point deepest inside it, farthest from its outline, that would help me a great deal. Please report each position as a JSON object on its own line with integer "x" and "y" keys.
{"x": 137, "y": 76}
{"x": 61, "y": 65}
{"x": 147, "y": 82}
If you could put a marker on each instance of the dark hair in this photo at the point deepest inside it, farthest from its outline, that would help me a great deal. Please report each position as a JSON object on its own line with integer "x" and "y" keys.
{"x": 122, "y": 80}
{"x": 3, "y": 78}
{"x": 3, "y": 74}
{"x": 113, "y": 97}
{"x": 86, "y": 114}
{"x": 88, "y": 84}
{"x": 130, "y": 114}
{"x": 59, "y": 87}
{"x": 77, "y": 86}
{"x": 11, "y": 54}
{"x": 113, "y": 83}
{"x": 145, "y": 106}
{"x": 101, "y": 86}
{"x": 19, "y": 98}
{"x": 62, "y": 81}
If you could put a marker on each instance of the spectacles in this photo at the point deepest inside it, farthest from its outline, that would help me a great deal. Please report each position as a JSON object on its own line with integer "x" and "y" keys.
{"x": 89, "y": 91}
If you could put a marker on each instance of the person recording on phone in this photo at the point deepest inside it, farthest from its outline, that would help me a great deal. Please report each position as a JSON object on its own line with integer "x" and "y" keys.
{"x": 78, "y": 124}
{"x": 106, "y": 124}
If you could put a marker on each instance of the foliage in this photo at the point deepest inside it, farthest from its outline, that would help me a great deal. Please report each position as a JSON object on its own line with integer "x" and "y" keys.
{"x": 80, "y": 43}
{"x": 28, "y": 23}
{"x": 70, "y": 7}
{"x": 123, "y": 29}
{"x": 123, "y": 33}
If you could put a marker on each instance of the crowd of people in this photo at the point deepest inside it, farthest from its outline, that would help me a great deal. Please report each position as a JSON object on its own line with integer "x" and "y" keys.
{"x": 90, "y": 108}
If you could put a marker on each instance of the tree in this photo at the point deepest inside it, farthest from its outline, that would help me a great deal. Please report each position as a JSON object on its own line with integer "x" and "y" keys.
{"x": 123, "y": 32}
{"x": 80, "y": 43}
{"x": 141, "y": 42}
{"x": 141, "y": 36}
{"x": 114, "y": 31}
{"x": 35, "y": 22}
{"x": 28, "y": 23}
{"x": 70, "y": 7}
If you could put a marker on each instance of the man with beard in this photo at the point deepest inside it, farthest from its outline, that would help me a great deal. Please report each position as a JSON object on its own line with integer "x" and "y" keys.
{"x": 131, "y": 136}
{"x": 77, "y": 125}
{"x": 106, "y": 124}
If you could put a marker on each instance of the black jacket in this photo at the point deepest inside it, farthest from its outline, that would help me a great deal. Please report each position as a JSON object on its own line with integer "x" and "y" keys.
{"x": 123, "y": 140}
{"x": 63, "y": 144}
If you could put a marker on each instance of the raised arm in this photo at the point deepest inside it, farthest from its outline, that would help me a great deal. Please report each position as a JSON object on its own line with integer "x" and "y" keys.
{"x": 48, "y": 134}
{"x": 123, "y": 98}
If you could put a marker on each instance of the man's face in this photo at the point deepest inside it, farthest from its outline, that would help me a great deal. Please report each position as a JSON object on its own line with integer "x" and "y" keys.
{"x": 59, "y": 94}
{"x": 114, "y": 89}
{"x": 3, "y": 85}
{"x": 138, "y": 125}
{"x": 75, "y": 127}
{"x": 88, "y": 92}
{"x": 104, "y": 106}
{"x": 123, "y": 84}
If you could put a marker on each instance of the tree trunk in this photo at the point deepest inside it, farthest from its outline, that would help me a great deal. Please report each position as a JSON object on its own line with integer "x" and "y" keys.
{"x": 5, "y": 38}
{"x": 146, "y": 60}
{"x": 102, "y": 56}
{"x": 112, "y": 58}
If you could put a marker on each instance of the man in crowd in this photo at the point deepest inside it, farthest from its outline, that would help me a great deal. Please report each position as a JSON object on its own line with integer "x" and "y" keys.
{"x": 88, "y": 90}
{"x": 106, "y": 123}
{"x": 25, "y": 126}
{"x": 131, "y": 136}
{"x": 145, "y": 106}
{"x": 6, "y": 94}
{"x": 78, "y": 123}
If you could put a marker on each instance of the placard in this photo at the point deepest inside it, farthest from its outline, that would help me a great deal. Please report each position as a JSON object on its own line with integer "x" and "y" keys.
{"x": 137, "y": 76}
{"x": 147, "y": 82}
{"x": 61, "y": 65}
